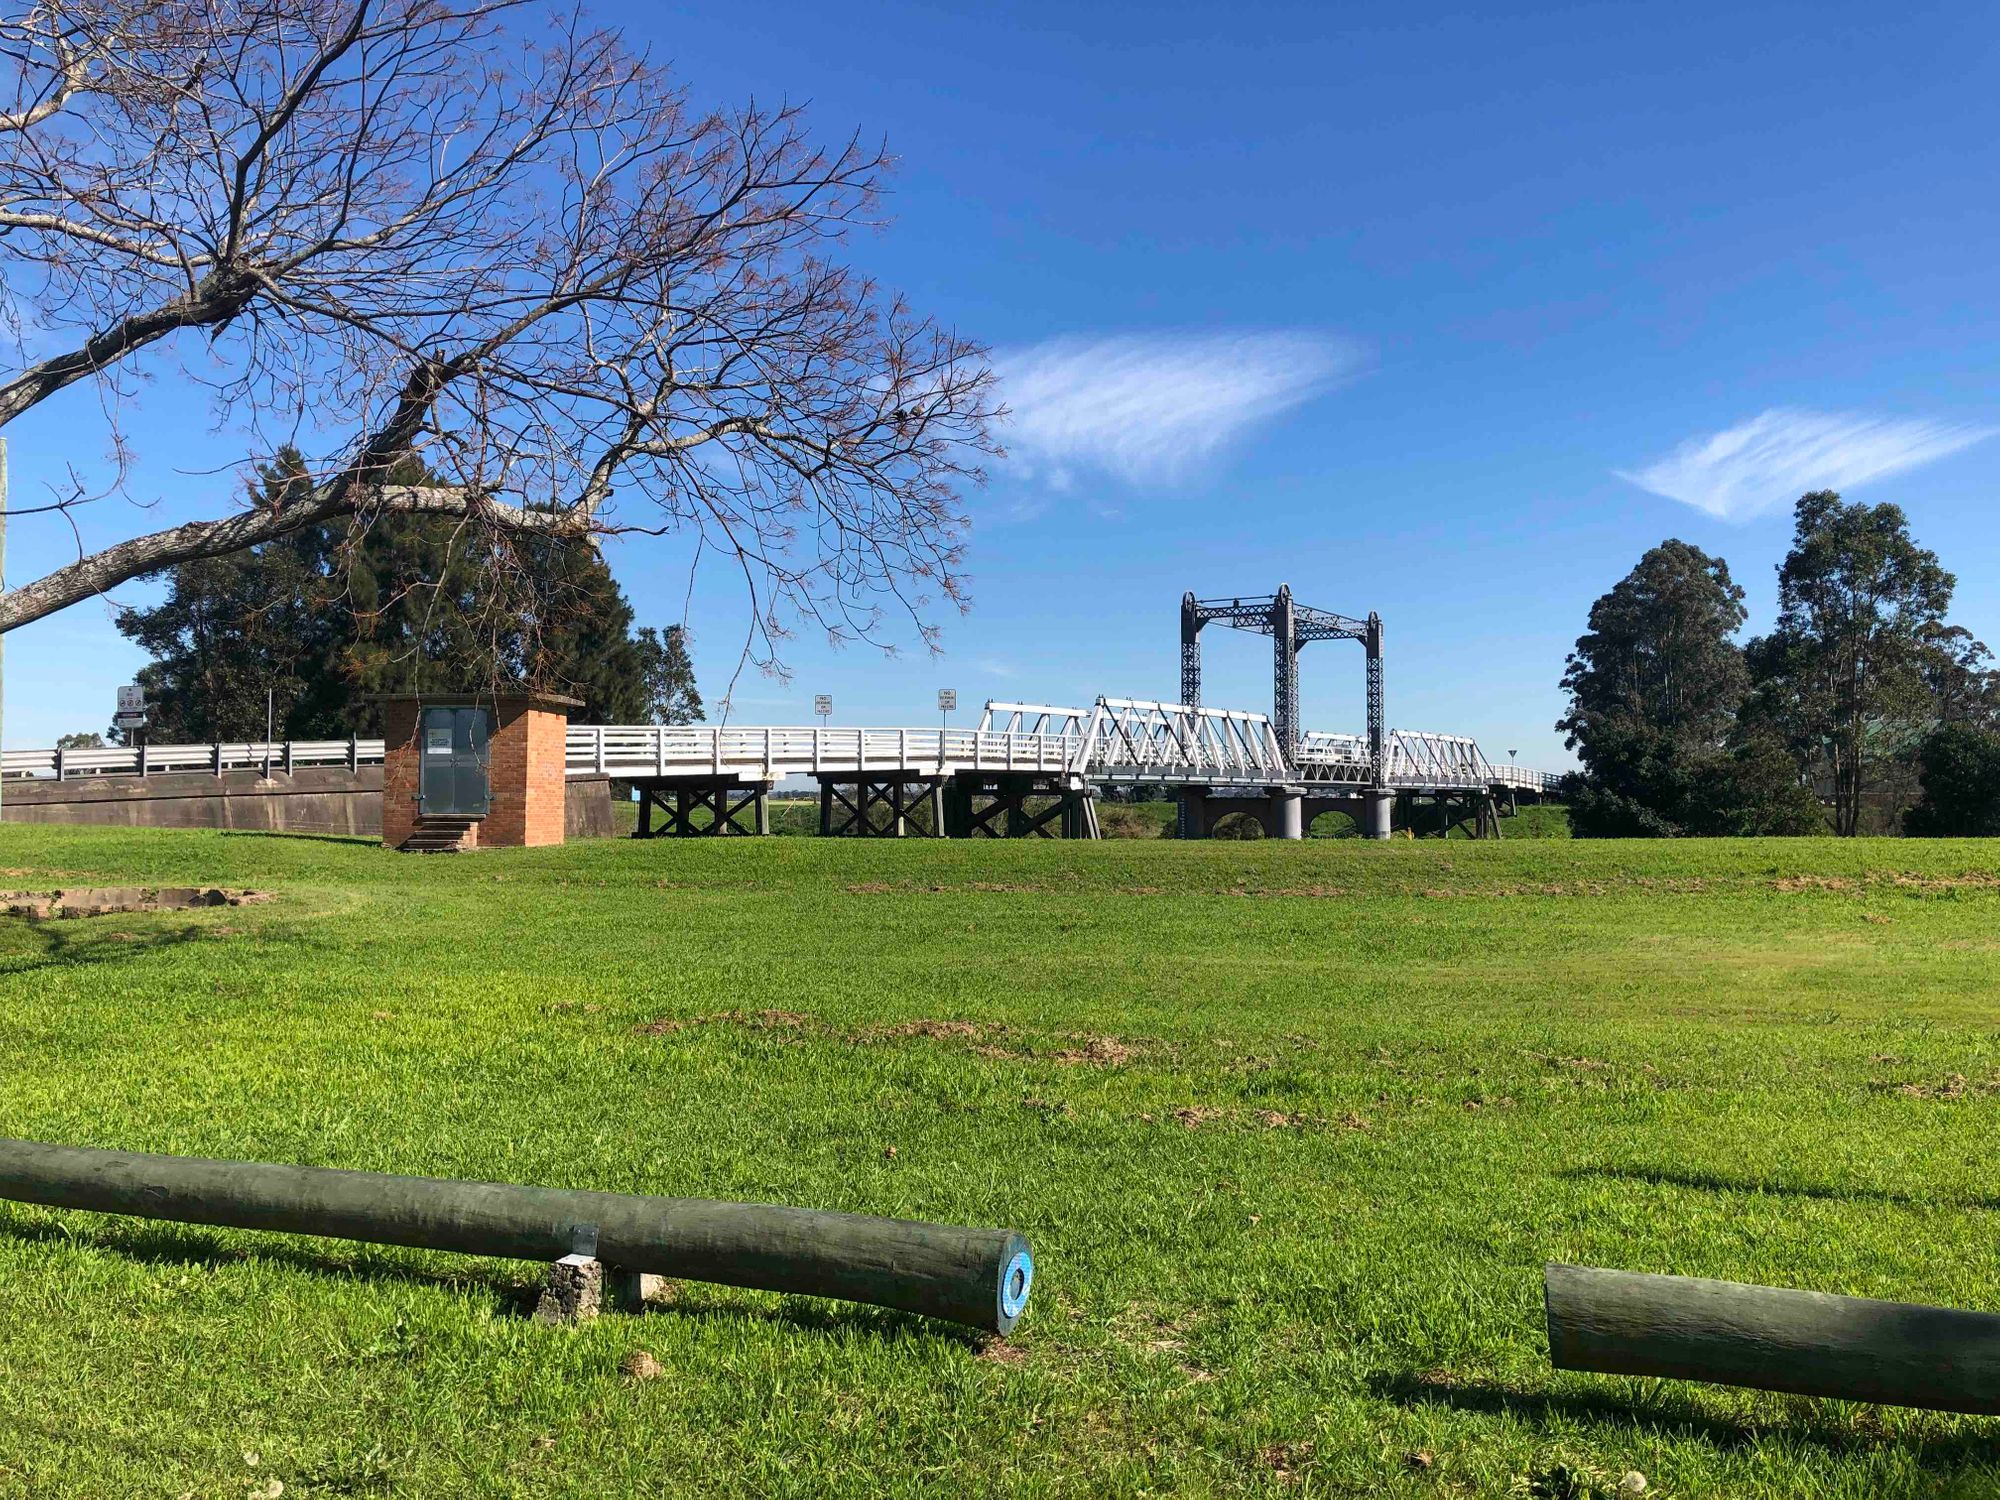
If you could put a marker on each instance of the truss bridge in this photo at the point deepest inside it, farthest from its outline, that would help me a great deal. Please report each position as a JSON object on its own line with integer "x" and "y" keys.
{"x": 1034, "y": 769}
{"x": 1025, "y": 770}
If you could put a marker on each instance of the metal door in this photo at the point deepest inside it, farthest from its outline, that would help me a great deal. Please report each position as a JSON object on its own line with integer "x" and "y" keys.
{"x": 451, "y": 778}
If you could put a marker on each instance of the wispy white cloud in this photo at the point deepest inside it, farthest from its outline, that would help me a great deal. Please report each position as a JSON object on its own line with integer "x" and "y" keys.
{"x": 1147, "y": 408}
{"x": 996, "y": 668}
{"x": 1770, "y": 460}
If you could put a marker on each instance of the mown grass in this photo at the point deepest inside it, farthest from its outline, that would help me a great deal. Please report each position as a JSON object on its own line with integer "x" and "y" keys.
{"x": 1293, "y": 1128}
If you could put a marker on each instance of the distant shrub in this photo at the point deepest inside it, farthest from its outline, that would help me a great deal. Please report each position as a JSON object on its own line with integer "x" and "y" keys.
{"x": 1959, "y": 769}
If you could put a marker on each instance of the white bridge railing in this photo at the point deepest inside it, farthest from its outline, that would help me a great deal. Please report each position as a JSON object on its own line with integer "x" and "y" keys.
{"x": 1112, "y": 740}
{"x": 163, "y": 760}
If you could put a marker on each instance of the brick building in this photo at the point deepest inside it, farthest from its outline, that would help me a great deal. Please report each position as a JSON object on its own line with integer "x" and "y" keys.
{"x": 519, "y": 741}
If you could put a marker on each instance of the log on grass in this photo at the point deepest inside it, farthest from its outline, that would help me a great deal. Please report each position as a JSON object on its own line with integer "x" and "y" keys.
{"x": 1772, "y": 1338}
{"x": 978, "y": 1277}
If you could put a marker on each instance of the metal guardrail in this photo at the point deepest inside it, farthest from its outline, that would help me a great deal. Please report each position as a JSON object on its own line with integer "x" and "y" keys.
{"x": 162, "y": 760}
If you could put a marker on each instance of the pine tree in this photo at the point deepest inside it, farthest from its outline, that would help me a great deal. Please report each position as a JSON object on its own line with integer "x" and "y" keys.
{"x": 330, "y": 617}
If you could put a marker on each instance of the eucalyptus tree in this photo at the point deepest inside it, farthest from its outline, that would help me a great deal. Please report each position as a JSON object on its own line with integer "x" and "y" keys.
{"x": 1654, "y": 685}
{"x": 1860, "y": 659}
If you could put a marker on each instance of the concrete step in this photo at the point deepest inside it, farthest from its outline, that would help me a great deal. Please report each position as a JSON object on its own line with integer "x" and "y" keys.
{"x": 438, "y": 835}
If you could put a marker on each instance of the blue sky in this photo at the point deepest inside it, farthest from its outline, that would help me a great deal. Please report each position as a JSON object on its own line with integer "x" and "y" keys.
{"x": 1448, "y": 316}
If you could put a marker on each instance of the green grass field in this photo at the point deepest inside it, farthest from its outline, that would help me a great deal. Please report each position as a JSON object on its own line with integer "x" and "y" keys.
{"x": 1293, "y": 1128}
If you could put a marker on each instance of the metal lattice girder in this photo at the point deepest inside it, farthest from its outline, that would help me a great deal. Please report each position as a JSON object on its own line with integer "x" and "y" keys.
{"x": 1255, "y": 615}
{"x": 1290, "y": 626}
{"x": 1130, "y": 739}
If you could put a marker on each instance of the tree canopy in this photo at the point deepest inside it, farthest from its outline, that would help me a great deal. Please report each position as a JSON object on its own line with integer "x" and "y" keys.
{"x": 1680, "y": 731}
{"x": 1654, "y": 687}
{"x": 1959, "y": 769}
{"x": 328, "y": 617}
{"x": 1859, "y": 648}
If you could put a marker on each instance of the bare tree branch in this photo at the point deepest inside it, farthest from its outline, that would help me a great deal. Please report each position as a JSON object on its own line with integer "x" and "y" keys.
{"x": 480, "y": 235}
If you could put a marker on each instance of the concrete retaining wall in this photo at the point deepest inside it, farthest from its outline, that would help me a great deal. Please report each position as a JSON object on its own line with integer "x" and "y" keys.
{"x": 308, "y": 801}
{"x": 315, "y": 801}
{"x": 587, "y": 809}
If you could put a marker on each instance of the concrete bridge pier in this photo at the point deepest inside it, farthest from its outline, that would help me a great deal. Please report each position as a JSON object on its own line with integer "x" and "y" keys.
{"x": 1286, "y": 819}
{"x": 1191, "y": 813}
{"x": 1380, "y": 813}
{"x": 1192, "y": 820}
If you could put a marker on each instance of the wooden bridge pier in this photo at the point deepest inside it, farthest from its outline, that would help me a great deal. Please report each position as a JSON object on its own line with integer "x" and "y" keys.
{"x": 1455, "y": 808}
{"x": 995, "y": 805}
{"x": 884, "y": 805}
{"x": 667, "y": 807}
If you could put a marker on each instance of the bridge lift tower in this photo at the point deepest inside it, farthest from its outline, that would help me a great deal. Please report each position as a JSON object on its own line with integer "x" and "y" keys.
{"x": 1290, "y": 626}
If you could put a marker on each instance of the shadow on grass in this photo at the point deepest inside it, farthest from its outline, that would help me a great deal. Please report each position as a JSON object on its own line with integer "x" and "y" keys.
{"x": 28, "y": 945}
{"x": 1719, "y": 1182}
{"x": 351, "y": 840}
{"x": 1669, "y": 1413}
{"x": 193, "y": 1246}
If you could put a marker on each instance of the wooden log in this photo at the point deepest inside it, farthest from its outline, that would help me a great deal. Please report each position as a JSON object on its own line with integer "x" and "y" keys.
{"x": 1773, "y": 1338}
{"x": 978, "y": 1277}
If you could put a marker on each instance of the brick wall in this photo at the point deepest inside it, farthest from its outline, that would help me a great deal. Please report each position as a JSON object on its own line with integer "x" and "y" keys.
{"x": 524, "y": 770}
{"x": 399, "y": 772}
{"x": 525, "y": 767}
{"x": 546, "y": 785}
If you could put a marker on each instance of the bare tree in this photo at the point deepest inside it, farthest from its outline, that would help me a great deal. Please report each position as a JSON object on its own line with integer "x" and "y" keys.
{"x": 483, "y": 236}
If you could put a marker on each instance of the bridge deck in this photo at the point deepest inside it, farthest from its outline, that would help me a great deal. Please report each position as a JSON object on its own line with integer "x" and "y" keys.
{"x": 1113, "y": 741}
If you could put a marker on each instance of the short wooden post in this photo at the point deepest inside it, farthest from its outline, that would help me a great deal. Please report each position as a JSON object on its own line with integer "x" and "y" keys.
{"x": 1773, "y": 1338}
{"x": 574, "y": 1292}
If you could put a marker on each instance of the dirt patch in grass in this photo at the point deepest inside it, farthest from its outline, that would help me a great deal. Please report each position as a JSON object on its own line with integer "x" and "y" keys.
{"x": 987, "y": 887}
{"x": 1971, "y": 880}
{"x": 934, "y": 1030}
{"x": 1097, "y": 1052}
{"x": 1951, "y": 1086}
{"x": 110, "y": 900}
{"x": 1975, "y": 880}
{"x": 1286, "y": 1461}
